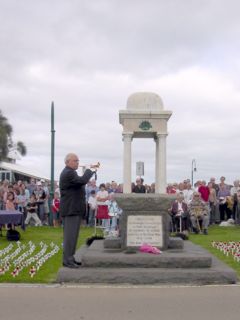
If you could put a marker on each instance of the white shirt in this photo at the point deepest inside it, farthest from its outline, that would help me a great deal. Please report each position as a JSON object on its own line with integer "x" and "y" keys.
{"x": 102, "y": 195}
{"x": 92, "y": 201}
{"x": 188, "y": 194}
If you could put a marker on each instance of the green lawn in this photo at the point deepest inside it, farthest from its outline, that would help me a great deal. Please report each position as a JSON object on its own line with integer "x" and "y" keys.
{"x": 48, "y": 272}
{"x": 224, "y": 234}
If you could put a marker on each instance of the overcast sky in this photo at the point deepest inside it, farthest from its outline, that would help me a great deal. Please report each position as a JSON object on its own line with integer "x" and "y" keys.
{"x": 89, "y": 56}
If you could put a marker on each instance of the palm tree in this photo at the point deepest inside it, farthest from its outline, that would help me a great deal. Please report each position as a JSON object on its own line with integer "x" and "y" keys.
{"x": 21, "y": 148}
{"x": 5, "y": 136}
{"x": 6, "y": 143}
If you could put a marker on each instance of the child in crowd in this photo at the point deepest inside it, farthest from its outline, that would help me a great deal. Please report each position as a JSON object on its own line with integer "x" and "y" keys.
{"x": 21, "y": 200}
{"x": 32, "y": 211}
{"x": 55, "y": 209}
{"x": 10, "y": 202}
{"x": 10, "y": 205}
{"x": 114, "y": 212}
{"x": 92, "y": 201}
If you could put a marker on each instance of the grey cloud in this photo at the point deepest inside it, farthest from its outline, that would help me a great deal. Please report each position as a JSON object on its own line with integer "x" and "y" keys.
{"x": 89, "y": 56}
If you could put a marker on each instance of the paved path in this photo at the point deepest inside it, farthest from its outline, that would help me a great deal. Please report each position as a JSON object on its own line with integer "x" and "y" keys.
{"x": 119, "y": 303}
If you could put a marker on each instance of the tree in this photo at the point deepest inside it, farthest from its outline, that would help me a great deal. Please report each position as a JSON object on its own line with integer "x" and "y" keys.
{"x": 21, "y": 148}
{"x": 6, "y": 142}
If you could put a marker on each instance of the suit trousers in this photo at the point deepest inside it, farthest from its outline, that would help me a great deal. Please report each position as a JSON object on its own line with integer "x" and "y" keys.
{"x": 71, "y": 227}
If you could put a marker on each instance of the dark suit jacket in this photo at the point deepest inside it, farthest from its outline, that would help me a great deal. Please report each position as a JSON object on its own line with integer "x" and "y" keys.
{"x": 72, "y": 189}
{"x": 139, "y": 189}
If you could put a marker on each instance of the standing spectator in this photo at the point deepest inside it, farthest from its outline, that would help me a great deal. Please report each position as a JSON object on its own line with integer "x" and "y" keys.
{"x": 171, "y": 189}
{"x": 114, "y": 212}
{"x": 234, "y": 191}
{"x": 185, "y": 183}
{"x": 55, "y": 210}
{"x": 10, "y": 206}
{"x": 139, "y": 187}
{"x": 180, "y": 187}
{"x": 222, "y": 182}
{"x": 7, "y": 190}
{"x": 153, "y": 188}
{"x": 197, "y": 184}
{"x": 21, "y": 200}
{"x": 56, "y": 188}
{"x": 32, "y": 208}
{"x": 10, "y": 201}
{"x": 45, "y": 204}
{"x": 188, "y": 193}
{"x": 114, "y": 188}
{"x": 32, "y": 186}
{"x": 102, "y": 206}
{"x": 5, "y": 185}
{"x": 212, "y": 202}
{"x": 91, "y": 185}
{"x": 214, "y": 184}
{"x": 204, "y": 191}
{"x": 223, "y": 193}
{"x": 1, "y": 199}
{"x": 92, "y": 202}
{"x": 108, "y": 187}
{"x": 40, "y": 196}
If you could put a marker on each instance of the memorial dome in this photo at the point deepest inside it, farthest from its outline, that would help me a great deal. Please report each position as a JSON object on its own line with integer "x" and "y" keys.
{"x": 144, "y": 101}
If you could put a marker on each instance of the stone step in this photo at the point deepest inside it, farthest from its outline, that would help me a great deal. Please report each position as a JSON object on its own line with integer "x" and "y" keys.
{"x": 98, "y": 257}
{"x": 216, "y": 273}
{"x": 150, "y": 276}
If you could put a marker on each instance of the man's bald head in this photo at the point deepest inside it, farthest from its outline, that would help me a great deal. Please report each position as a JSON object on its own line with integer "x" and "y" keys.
{"x": 72, "y": 161}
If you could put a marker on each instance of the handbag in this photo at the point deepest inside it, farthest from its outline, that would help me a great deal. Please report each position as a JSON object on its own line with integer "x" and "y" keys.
{"x": 13, "y": 235}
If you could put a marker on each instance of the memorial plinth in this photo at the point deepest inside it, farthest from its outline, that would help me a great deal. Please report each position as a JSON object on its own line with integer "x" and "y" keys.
{"x": 144, "y": 219}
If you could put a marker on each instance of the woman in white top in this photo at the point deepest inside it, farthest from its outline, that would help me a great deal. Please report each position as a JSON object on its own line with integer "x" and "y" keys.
{"x": 102, "y": 207}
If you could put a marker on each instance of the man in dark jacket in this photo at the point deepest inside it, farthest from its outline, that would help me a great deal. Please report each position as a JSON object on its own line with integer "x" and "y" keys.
{"x": 139, "y": 187}
{"x": 72, "y": 206}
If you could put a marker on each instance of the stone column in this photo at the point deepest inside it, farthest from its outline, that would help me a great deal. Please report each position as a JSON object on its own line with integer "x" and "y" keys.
{"x": 161, "y": 170}
{"x": 127, "y": 162}
{"x": 156, "y": 166}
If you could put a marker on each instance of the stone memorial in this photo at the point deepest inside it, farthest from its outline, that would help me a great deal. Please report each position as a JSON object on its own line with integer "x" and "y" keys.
{"x": 145, "y": 219}
{"x": 145, "y": 117}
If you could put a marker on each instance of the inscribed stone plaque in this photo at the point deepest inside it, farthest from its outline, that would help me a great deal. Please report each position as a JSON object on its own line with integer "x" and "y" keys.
{"x": 144, "y": 229}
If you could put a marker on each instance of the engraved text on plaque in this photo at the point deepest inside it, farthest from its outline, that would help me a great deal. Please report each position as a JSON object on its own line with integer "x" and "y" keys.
{"x": 144, "y": 229}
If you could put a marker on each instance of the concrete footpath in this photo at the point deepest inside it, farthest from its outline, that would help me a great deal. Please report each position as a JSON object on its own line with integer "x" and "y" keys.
{"x": 58, "y": 302}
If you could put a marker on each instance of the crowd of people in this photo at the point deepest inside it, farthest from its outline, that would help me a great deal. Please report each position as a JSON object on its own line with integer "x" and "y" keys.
{"x": 30, "y": 198}
{"x": 207, "y": 203}
{"x": 204, "y": 203}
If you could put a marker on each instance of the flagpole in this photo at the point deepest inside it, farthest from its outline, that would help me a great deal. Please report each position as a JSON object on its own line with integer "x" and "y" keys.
{"x": 52, "y": 158}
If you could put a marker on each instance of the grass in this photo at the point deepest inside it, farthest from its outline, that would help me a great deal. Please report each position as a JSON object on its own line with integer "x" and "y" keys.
{"x": 48, "y": 272}
{"x": 224, "y": 234}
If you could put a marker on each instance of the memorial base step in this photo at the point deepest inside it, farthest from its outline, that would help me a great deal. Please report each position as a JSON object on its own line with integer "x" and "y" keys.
{"x": 216, "y": 273}
{"x": 98, "y": 257}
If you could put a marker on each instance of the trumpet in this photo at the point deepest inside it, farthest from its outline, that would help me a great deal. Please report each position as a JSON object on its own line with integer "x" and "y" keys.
{"x": 92, "y": 166}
